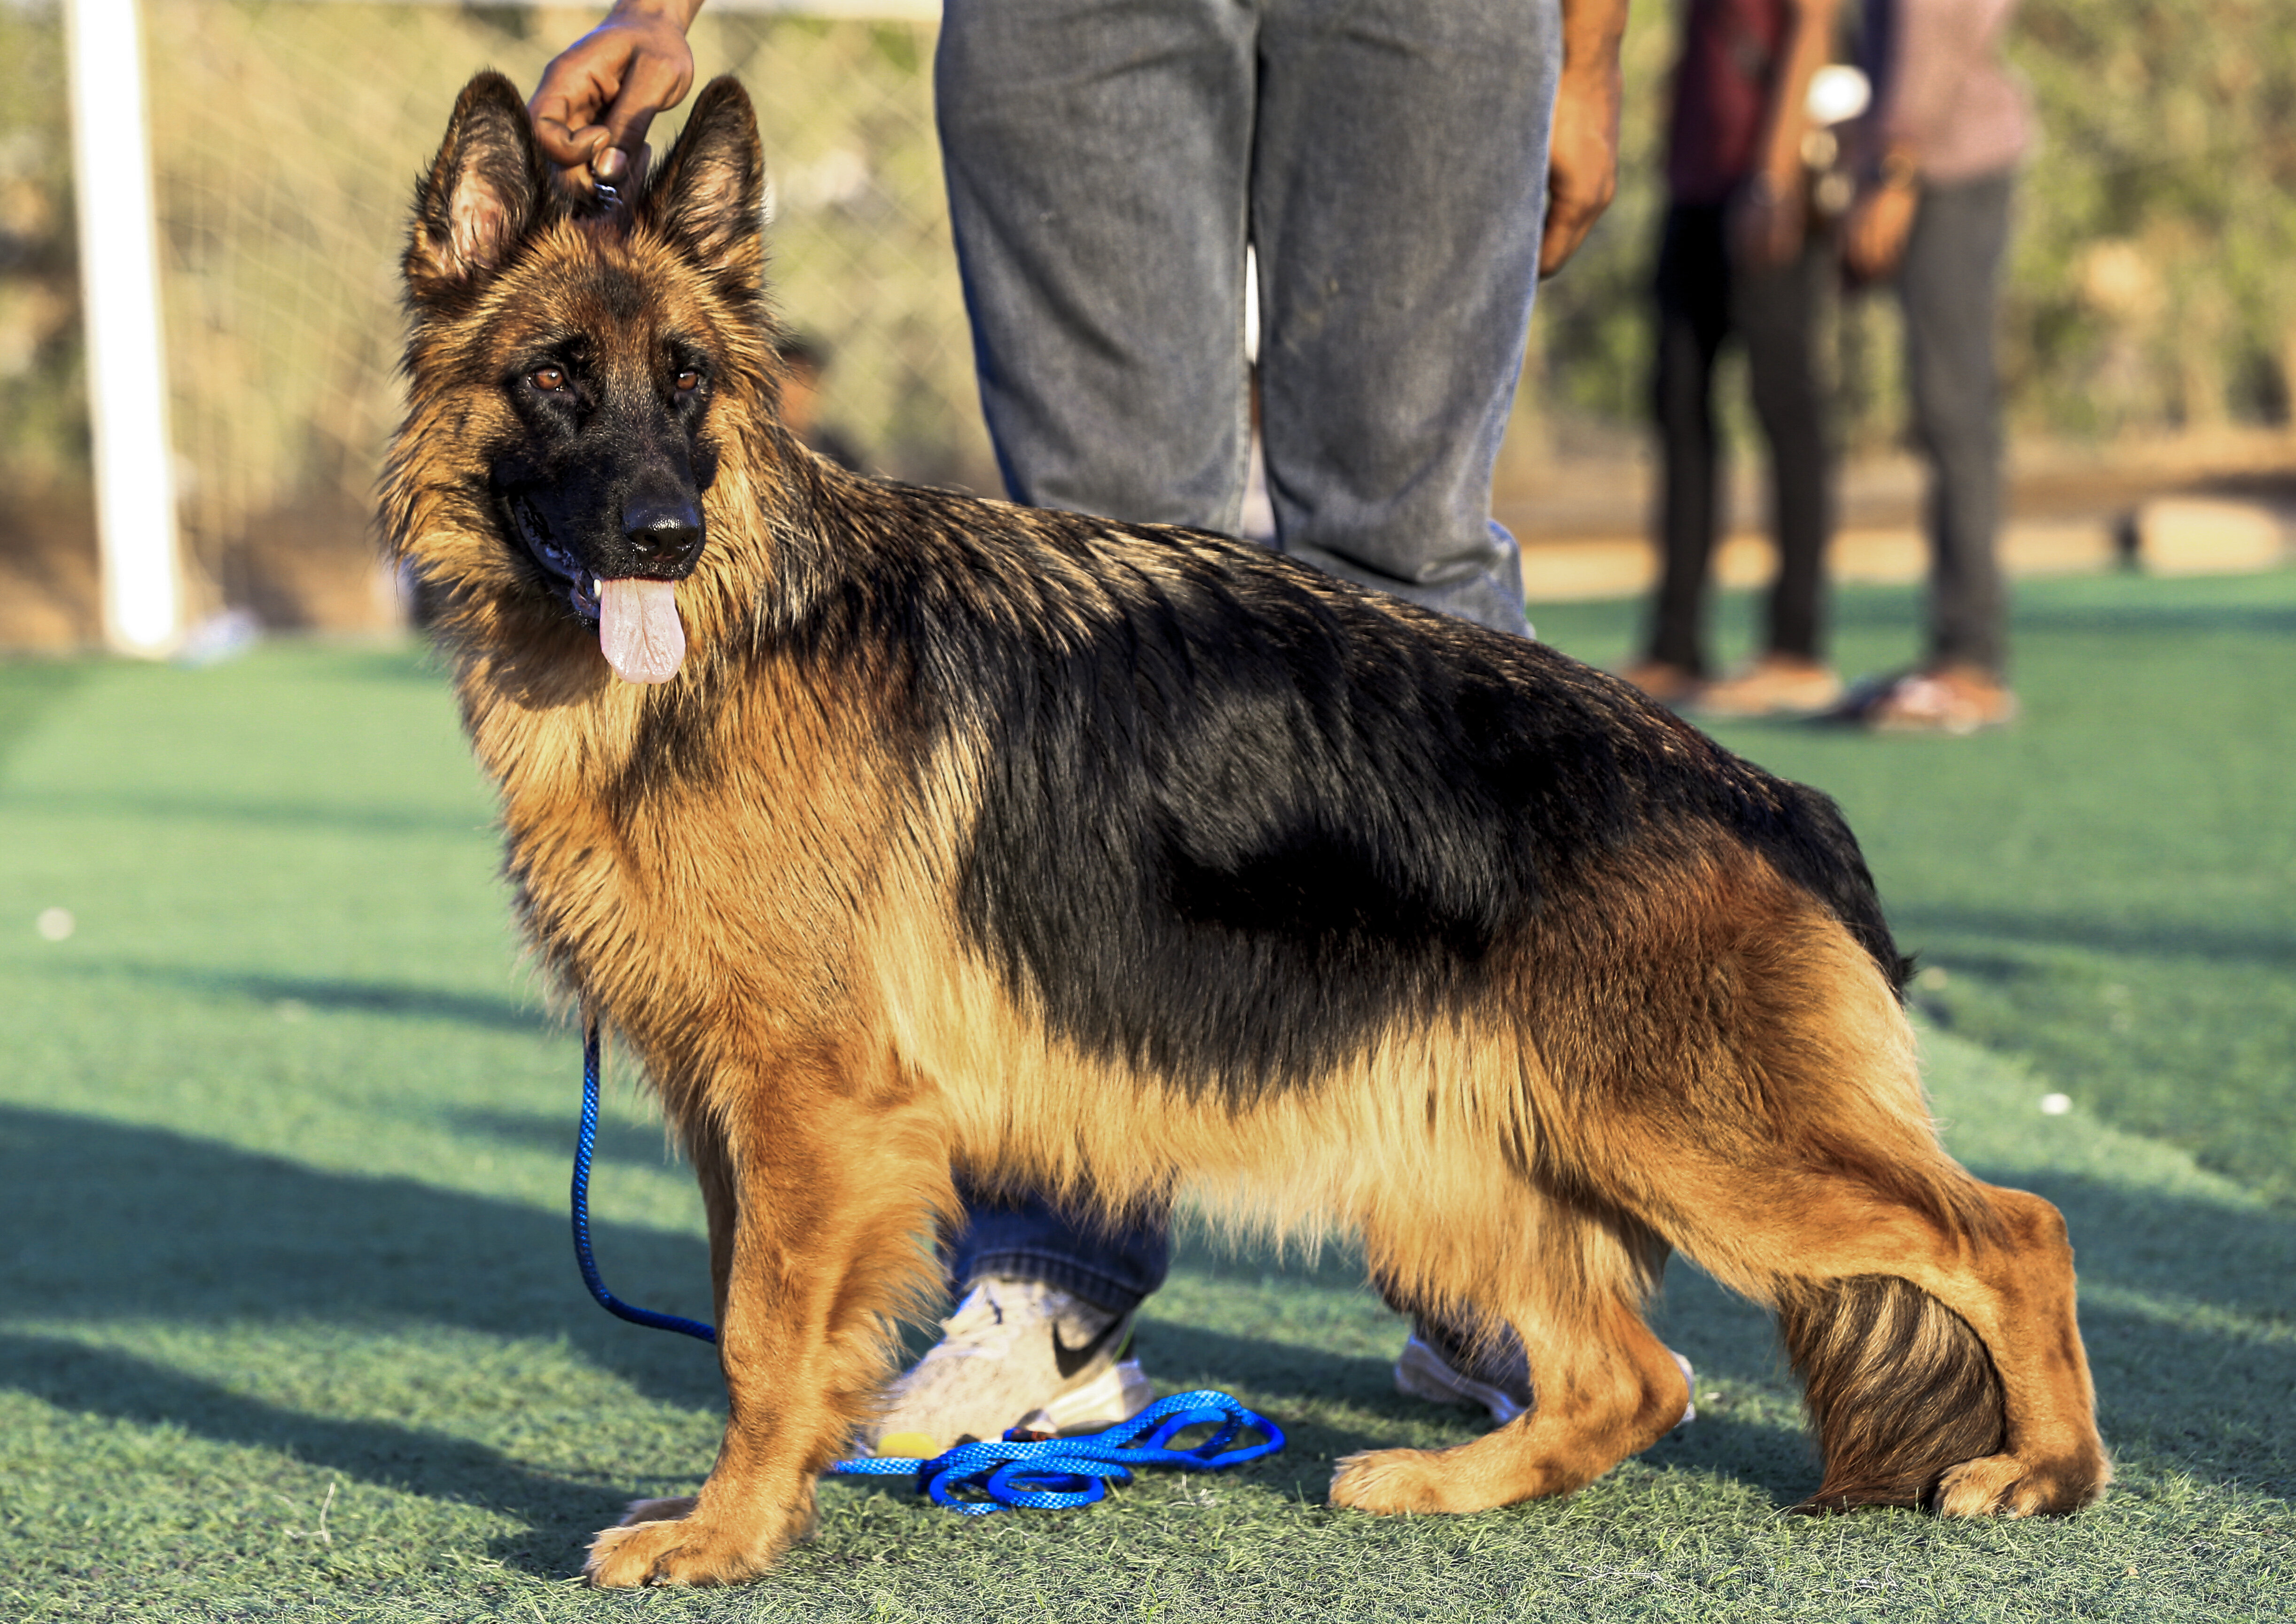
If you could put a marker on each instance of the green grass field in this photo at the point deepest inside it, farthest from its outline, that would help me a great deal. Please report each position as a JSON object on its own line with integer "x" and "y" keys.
{"x": 288, "y": 1328}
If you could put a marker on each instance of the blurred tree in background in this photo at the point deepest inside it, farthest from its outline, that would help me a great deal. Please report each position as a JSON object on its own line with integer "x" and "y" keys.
{"x": 43, "y": 399}
{"x": 2155, "y": 275}
{"x": 2151, "y": 288}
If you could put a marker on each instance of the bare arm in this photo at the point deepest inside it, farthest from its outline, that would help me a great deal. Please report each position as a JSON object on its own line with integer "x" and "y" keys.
{"x": 1874, "y": 236}
{"x": 598, "y": 96}
{"x": 1940, "y": 44}
{"x": 1582, "y": 154}
{"x": 1767, "y": 229}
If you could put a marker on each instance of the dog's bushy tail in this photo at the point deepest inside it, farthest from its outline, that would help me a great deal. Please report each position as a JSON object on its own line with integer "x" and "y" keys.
{"x": 1900, "y": 1387}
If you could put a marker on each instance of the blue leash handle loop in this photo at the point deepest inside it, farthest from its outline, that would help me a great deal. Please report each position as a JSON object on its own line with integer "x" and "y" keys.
{"x": 1051, "y": 1474}
{"x": 585, "y": 1148}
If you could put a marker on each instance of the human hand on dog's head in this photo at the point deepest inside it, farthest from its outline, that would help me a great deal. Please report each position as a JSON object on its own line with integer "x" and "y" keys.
{"x": 598, "y": 96}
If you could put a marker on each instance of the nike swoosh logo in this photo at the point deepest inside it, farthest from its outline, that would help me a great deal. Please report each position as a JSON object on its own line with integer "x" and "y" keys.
{"x": 1069, "y": 1360}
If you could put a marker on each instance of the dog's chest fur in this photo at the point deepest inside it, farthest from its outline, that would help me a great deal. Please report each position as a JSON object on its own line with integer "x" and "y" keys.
{"x": 669, "y": 855}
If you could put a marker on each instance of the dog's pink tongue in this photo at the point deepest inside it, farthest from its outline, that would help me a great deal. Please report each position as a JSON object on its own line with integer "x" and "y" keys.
{"x": 638, "y": 629}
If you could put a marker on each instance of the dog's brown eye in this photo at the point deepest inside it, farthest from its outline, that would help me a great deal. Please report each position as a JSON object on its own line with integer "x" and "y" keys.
{"x": 688, "y": 382}
{"x": 549, "y": 378}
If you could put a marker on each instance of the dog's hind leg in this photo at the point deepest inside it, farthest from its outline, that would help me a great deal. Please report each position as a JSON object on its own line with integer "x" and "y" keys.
{"x": 1570, "y": 1285}
{"x": 1930, "y": 1316}
{"x": 832, "y": 1191}
{"x": 2018, "y": 1293}
{"x": 1941, "y": 1358}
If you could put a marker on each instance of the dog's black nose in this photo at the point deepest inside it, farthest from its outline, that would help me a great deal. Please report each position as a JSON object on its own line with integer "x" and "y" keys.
{"x": 664, "y": 534}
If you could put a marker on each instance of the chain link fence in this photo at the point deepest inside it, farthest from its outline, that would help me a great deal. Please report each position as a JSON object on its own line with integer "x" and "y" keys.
{"x": 286, "y": 139}
{"x": 2149, "y": 291}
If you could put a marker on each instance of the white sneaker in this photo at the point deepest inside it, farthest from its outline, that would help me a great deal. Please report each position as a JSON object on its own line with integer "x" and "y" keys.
{"x": 1015, "y": 1352}
{"x": 1426, "y": 1371}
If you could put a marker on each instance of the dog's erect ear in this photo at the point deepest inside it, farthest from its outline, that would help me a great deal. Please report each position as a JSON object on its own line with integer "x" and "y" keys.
{"x": 708, "y": 193}
{"x": 481, "y": 194}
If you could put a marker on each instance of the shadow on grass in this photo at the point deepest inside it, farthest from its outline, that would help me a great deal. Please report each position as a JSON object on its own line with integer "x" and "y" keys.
{"x": 2164, "y": 940}
{"x": 631, "y": 1144}
{"x": 105, "y": 1221}
{"x": 634, "y": 1145}
{"x": 414, "y": 1460}
{"x": 334, "y": 994}
{"x": 1288, "y": 1377}
{"x": 358, "y": 818}
{"x": 1336, "y": 1265}
{"x": 1776, "y": 1460}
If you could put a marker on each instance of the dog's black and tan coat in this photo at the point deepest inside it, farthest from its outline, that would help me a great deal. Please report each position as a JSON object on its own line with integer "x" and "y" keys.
{"x": 938, "y": 832}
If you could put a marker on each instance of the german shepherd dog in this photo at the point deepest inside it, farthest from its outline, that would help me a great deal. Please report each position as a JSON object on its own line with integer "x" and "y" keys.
{"x": 899, "y": 832}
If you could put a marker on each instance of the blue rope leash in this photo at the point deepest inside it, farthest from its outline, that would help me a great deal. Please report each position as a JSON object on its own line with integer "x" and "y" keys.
{"x": 1054, "y": 1473}
{"x": 973, "y": 1479}
{"x": 585, "y": 1148}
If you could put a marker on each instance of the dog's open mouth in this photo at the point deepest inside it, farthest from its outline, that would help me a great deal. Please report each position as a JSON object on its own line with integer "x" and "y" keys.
{"x": 638, "y": 628}
{"x": 579, "y": 587}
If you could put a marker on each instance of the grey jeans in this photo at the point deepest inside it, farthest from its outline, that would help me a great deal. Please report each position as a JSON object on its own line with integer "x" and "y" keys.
{"x": 1107, "y": 162}
{"x": 1950, "y": 285}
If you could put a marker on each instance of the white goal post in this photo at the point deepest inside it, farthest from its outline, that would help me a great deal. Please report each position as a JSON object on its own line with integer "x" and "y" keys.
{"x": 127, "y": 354}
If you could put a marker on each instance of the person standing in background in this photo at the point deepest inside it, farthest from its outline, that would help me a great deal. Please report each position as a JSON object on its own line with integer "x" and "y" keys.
{"x": 1941, "y": 145}
{"x": 805, "y": 367}
{"x": 1738, "y": 256}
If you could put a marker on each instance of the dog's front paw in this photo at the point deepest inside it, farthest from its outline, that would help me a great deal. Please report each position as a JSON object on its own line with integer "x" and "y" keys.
{"x": 1392, "y": 1481}
{"x": 673, "y": 1551}
{"x": 2010, "y": 1486}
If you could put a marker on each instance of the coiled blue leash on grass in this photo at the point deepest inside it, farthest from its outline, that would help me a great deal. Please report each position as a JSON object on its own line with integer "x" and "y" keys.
{"x": 1054, "y": 1473}
{"x": 973, "y": 1479}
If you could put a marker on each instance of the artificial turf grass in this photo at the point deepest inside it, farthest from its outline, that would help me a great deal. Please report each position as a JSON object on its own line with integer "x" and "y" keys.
{"x": 284, "y": 1148}
{"x": 177, "y": 1456}
{"x": 2109, "y": 887}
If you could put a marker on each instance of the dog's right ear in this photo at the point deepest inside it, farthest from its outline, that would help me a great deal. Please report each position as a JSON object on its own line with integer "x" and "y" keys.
{"x": 481, "y": 194}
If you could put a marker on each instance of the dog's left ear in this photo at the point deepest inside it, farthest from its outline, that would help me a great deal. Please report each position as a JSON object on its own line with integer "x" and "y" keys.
{"x": 710, "y": 193}
{"x": 481, "y": 194}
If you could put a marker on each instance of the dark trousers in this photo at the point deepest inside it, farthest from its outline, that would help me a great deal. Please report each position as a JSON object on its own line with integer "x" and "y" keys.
{"x": 1949, "y": 283}
{"x": 1704, "y": 299}
{"x": 1022, "y": 1236}
{"x": 1106, "y": 166}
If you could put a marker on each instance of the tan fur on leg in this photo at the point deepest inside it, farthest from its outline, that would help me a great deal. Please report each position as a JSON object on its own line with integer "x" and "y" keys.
{"x": 831, "y": 1203}
{"x": 1599, "y": 1396}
